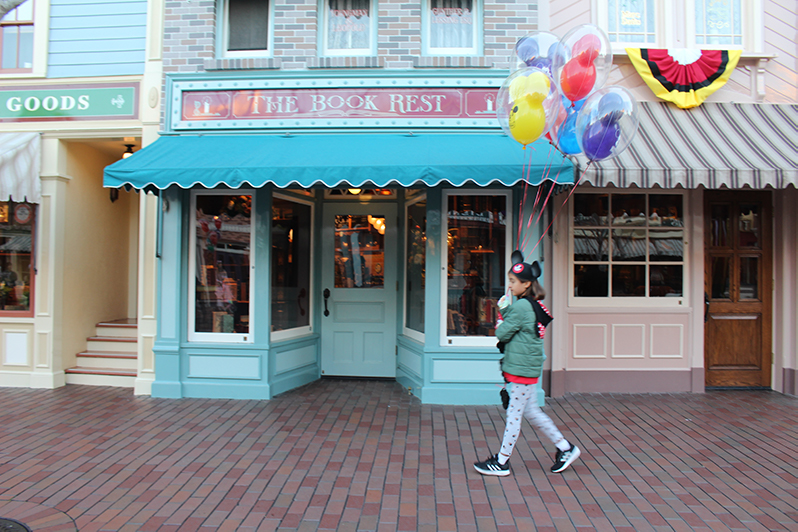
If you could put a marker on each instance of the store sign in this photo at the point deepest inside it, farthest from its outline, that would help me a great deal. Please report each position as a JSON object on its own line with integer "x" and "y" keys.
{"x": 400, "y": 106}
{"x": 69, "y": 102}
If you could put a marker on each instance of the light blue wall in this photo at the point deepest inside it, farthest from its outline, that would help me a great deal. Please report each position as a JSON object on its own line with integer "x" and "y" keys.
{"x": 91, "y": 38}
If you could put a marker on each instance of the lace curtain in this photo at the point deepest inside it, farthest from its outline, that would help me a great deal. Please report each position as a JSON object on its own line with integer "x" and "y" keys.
{"x": 348, "y": 24}
{"x": 451, "y": 24}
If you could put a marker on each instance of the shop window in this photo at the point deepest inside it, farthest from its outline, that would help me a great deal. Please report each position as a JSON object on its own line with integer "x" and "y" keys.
{"x": 349, "y": 27}
{"x": 452, "y": 27}
{"x": 16, "y": 265}
{"x": 221, "y": 248}
{"x": 415, "y": 278}
{"x": 359, "y": 251}
{"x": 245, "y": 28}
{"x": 290, "y": 266}
{"x": 16, "y": 39}
{"x": 477, "y": 243}
{"x": 628, "y": 246}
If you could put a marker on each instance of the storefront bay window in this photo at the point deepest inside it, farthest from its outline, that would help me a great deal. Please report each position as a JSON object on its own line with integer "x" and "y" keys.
{"x": 416, "y": 253}
{"x": 628, "y": 246}
{"x": 477, "y": 242}
{"x": 221, "y": 247}
{"x": 290, "y": 266}
{"x": 16, "y": 266}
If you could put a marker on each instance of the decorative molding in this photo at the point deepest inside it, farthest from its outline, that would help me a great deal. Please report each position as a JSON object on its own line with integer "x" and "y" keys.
{"x": 617, "y": 326}
{"x": 243, "y": 63}
{"x": 680, "y": 326}
{"x": 366, "y": 61}
{"x": 603, "y": 328}
{"x": 453, "y": 62}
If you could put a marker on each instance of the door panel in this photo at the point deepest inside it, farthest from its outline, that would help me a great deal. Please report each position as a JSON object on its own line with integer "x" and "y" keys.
{"x": 738, "y": 275}
{"x": 359, "y": 260}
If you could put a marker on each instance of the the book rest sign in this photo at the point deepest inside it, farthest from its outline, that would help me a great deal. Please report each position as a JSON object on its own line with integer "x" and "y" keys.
{"x": 321, "y": 107}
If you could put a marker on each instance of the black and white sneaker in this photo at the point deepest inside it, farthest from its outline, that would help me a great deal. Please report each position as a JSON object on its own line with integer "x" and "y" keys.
{"x": 565, "y": 458}
{"x": 491, "y": 466}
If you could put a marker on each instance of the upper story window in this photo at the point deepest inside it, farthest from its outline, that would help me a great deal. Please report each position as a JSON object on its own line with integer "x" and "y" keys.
{"x": 632, "y": 21}
{"x": 245, "y": 30}
{"x": 452, "y": 27}
{"x": 718, "y": 22}
{"x": 707, "y": 24}
{"x": 16, "y": 39}
{"x": 349, "y": 27}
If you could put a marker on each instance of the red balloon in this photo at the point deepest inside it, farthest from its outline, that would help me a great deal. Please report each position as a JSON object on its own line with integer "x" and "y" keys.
{"x": 562, "y": 114}
{"x": 587, "y": 49}
{"x": 218, "y": 223}
{"x": 214, "y": 237}
{"x": 577, "y": 80}
{"x": 204, "y": 226}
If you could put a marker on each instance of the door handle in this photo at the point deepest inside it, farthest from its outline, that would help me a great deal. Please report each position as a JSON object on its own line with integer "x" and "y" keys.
{"x": 326, "y": 295}
{"x": 706, "y": 307}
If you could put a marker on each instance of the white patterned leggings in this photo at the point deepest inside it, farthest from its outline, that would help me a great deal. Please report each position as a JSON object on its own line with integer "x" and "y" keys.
{"x": 524, "y": 403}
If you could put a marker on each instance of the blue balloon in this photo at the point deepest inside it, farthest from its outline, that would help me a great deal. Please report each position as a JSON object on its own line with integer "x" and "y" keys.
{"x": 566, "y": 139}
{"x": 526, "y": 49}
{"x": 610, "y": 102}
{"x": 599, "y": 140}
{"x": 542, "y": 63}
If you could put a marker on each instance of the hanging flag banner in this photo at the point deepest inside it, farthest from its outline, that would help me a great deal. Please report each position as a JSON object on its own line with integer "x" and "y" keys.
{"x": 685, "y": 77}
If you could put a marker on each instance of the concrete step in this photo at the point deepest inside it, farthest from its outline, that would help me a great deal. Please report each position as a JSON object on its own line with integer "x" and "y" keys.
{"x": 101, "y": 377}
{"x": 112, "y": 343}
{"x": 110, "y": 359}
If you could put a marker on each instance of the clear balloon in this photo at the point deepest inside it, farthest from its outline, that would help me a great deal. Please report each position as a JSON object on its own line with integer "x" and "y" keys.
{"x": 535, "y": 49}
{"x": 527, "y": 104}
{"x": 607, "y": 123}
{"x": 582, "y": 62}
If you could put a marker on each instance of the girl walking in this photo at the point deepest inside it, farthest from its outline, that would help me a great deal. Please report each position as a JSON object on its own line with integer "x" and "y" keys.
{"x": 522, "y": 331}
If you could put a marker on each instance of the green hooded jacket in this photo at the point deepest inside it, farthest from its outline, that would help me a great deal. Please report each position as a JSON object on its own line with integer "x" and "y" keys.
{"x": 523, "y": 350}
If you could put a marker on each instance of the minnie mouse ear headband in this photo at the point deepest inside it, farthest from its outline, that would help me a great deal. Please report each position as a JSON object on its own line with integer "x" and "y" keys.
{"x": 523, "y": 270}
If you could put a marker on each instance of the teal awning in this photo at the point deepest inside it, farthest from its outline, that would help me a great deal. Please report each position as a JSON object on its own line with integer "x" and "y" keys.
{"x": 379, "y": 160}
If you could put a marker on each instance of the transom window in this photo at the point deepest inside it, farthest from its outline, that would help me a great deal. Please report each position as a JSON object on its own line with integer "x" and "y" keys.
{"x": 628, "y": 245}
{"x": 452, "y": 27}
{"x": 245, "y": 28}
{"x": 16, "y": 39}
{"x": 349, "y": 27}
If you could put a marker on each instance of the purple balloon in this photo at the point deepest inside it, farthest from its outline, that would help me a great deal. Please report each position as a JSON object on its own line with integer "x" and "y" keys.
{"x": 599, "y": 139}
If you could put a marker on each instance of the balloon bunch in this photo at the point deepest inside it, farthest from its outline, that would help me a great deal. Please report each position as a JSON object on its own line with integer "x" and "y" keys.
{"x": 555, "y": 90}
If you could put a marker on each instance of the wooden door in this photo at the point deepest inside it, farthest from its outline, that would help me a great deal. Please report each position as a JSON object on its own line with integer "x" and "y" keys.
{"x": 738, "y": 288}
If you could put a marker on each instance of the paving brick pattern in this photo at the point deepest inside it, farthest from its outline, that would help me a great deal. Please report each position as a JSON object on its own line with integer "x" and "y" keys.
{"x": 364, "y": 455}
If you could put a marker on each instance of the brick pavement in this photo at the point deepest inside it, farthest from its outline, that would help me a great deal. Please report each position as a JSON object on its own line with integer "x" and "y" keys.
{"x": 364, "y": 455}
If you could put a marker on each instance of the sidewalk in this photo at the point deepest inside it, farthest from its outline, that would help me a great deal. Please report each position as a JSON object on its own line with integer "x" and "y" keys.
{"x": 363, "y": 455}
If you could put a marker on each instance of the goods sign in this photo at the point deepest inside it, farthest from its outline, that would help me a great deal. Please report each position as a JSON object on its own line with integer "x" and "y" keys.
{"x": 69, "y": 102}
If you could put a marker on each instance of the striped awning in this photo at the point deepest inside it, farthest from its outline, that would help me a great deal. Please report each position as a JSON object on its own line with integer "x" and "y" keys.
{"x": 715, "y": 145}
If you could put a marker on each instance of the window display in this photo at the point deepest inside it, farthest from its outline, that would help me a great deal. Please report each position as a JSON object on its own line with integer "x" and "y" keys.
{"x": 291, "y": 239}
{"x": 223, "y": 233}
{"x": 477, "y": 244}
{"x": 416, "y": 265}
{"x": 16, "y": 245}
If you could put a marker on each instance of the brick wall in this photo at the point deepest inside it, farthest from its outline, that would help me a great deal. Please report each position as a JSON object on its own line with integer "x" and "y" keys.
{"x": 190, "y": 38}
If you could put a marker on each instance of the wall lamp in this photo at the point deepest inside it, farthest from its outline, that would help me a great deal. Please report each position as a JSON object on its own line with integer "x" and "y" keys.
{"x": 129, "y": 151}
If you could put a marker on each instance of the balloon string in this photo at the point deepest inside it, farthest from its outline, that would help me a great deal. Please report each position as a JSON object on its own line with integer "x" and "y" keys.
{"x": 579, "y": 181}
{"x": 540, "y": 213}
{"x": 546, "y": 171}
{"x": 523, "y": 200}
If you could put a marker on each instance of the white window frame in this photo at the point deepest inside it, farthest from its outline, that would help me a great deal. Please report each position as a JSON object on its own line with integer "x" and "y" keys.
{"x": 411, "y": 333}
{"x": 212, "y": 337}
{"x": 675, "y": 26}
{"x": 41, "y": 43}
{"x": 354, "y": 52}
{"x": 304, "y": 330}
{"x": 642, "y": 301}
{"x": 223, "y": 31}
{"x": 475, "y": 50}
{"x": 468, "y": 341}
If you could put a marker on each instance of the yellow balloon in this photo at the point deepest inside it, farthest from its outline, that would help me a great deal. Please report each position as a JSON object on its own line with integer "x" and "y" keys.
{"x": 517, "y": 88}
{"x": 527, "y": 121}
{"x": 538, "y": 86}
